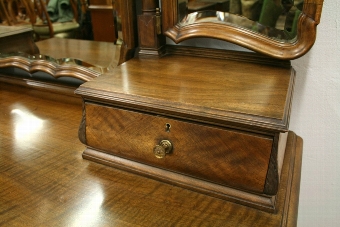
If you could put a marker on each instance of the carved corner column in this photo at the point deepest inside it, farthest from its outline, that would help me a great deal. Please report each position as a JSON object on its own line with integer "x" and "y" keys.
{"x": 151, "y": 40}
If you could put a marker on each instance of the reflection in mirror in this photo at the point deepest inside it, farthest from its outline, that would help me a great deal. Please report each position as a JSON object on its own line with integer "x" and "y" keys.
{"x": 55, "y": 67}
{"x": 276, "y": 19}
{"x": 81, "y": 59}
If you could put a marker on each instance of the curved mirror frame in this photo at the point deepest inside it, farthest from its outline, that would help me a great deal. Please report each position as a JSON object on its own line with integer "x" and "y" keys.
{"x": 297, "y": 47}
{"x": 62, "y": 67}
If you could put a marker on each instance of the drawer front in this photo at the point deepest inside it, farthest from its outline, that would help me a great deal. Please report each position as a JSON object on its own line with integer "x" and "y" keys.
{"x": 226, "y": 157}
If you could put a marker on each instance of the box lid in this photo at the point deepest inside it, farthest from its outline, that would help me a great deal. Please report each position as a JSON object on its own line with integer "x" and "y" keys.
{"x": 239, "y": 94}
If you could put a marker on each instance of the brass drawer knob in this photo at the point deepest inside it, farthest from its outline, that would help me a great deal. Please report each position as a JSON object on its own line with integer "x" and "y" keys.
{"x": 164, "y": 147}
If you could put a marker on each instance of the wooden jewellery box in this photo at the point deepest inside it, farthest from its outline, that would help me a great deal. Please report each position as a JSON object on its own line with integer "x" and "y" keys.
{"x": 212, "y": 121}
{"x": 217, "y": 126}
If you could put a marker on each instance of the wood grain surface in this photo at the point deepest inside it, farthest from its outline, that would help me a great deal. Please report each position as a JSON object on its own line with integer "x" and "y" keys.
{"x": 219, "y": 155}
{"x": 240, "y": 93}
{"x": 45, "y": 182}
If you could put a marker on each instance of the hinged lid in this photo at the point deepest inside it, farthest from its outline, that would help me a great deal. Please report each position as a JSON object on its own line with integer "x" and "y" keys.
{"x": 220, "y": 92}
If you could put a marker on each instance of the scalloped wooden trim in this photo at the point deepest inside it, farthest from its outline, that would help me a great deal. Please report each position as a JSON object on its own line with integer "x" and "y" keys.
{"x": 55, "y": 70}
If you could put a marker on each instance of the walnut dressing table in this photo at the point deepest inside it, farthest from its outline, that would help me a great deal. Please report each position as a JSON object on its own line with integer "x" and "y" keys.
{"x": 215, "y": 122}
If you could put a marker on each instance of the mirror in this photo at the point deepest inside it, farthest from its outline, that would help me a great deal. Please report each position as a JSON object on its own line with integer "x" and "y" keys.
{"x": 80, "y": 59}
{"x": 284, "y": 29}
{"x": 271, "y": 18}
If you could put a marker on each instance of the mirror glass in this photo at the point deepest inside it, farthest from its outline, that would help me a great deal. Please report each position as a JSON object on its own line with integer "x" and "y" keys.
{"x": 85, "y": 51}
{"x": 276, "y": 19}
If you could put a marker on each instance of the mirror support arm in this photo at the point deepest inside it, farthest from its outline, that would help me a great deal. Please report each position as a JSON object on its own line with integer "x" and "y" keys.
{"x": 150, "y": 42}
{"x": 129, "y": 29}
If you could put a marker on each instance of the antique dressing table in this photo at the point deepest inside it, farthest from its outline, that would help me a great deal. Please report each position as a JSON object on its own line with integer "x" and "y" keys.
{"x": 213, "y": 121}
{"x": 209, "y": 120}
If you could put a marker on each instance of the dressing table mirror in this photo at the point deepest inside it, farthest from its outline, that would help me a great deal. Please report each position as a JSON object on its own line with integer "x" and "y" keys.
{"x": 67, "y": 59}
{"x": 279, "y": 29}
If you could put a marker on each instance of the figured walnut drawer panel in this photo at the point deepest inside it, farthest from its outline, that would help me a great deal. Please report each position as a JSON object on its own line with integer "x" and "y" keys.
{"x": 221, "y": 156}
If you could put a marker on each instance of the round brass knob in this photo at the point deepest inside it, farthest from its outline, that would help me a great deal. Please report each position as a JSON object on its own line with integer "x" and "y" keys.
{"x": 164, "y": 147}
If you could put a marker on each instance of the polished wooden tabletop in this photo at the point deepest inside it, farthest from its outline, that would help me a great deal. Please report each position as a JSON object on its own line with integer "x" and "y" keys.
{"x": 216, "y": 90}
{"x": 45, "y": 182}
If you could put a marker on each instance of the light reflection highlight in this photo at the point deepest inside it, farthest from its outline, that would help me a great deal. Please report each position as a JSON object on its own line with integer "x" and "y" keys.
{"x": 90, "y": 213}
{"x": 26, "y": 125}
{"x": 125, "y": 79}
